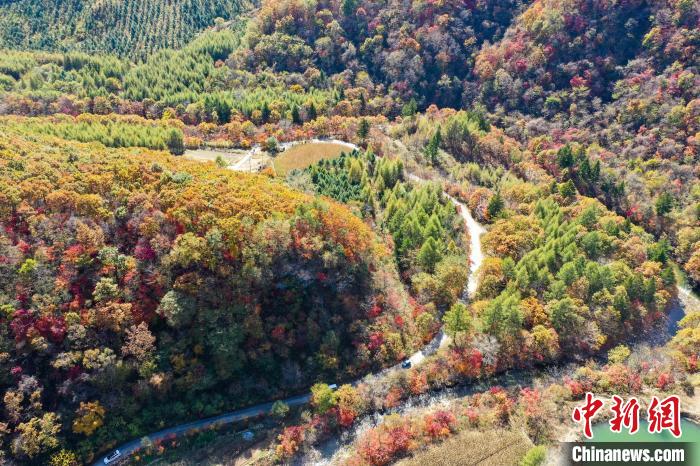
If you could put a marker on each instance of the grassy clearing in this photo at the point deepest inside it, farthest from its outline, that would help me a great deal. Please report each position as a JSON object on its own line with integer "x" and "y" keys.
{"x": 496, "y": 447}
{"x": 304, "y": 155}
{"x": 207, "y": 155}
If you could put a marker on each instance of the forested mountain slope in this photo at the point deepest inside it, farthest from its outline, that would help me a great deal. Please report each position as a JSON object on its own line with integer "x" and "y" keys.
{"x": 616, "y": 81}
{"x": 133, "y": 28}
{"x": 615, "y": 85}
{"x": 138, "y": 289}
{"x": 419, "y": 50}
{"x": 563, "y": 279}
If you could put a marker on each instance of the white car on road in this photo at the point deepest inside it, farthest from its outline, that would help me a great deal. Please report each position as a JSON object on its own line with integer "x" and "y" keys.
{"x": 112, "y": 457}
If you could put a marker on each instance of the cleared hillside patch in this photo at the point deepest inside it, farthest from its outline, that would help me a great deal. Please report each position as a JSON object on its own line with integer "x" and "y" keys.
{"x": 304, "y": 155}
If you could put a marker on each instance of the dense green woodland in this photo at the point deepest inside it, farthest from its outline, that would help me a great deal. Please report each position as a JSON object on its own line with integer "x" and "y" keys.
{"x": 428, "y": 236}
{"x": 422, "y": 222}
{"x": 121, "y": 132}
{"x": 134, "y": 28}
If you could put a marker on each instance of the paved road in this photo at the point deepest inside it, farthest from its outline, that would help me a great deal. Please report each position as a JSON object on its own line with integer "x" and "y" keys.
{"x": 235, "y": 416}
{"x": 440, "y": 340}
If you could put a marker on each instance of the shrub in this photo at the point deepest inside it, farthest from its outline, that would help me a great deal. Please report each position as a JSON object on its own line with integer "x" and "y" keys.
{"x": 534, "y": 457}
{"x": 619, "y": 354}
{"x": 279, "y": 409}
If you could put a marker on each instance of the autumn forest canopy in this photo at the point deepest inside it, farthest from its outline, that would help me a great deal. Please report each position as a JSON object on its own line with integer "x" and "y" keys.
{"x": 141, "y": 289}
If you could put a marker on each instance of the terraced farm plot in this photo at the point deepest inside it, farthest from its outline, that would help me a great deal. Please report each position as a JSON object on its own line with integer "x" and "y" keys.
{"x": 303, "y": 155}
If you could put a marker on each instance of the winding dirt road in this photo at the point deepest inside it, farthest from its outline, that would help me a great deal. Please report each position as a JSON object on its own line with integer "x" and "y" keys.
{"x": 476, "y": 257}
{"x": 440, "y": 340}
{"x": 688, "y": 300}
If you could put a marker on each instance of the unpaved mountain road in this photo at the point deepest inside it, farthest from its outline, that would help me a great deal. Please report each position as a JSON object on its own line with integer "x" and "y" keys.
{"x": 440, "y": 340}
